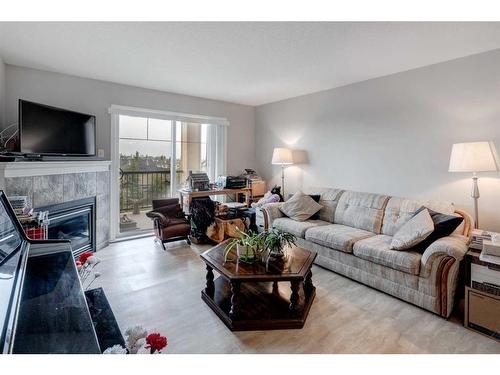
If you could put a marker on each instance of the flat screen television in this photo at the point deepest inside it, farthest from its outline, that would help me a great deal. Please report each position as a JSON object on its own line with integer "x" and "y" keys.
{"x": 47, "y": 130}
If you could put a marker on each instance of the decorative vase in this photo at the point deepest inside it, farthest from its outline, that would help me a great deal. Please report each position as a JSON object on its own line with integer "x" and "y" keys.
{"x": 246, "y": 253}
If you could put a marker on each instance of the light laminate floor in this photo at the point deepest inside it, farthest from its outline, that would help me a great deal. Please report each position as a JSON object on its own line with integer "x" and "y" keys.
{"x": 161, "y": 291}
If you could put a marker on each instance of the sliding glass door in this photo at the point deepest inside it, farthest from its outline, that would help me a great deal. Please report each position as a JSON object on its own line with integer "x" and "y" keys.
{"x": 145, "y": 150}
{"x": 152, "y": 157}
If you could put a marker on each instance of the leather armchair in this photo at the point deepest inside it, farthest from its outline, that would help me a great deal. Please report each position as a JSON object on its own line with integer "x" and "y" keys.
{"x": 169, "y": 221}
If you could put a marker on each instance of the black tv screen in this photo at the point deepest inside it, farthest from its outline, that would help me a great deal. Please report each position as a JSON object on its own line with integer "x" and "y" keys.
{"x": 48, "y": 130}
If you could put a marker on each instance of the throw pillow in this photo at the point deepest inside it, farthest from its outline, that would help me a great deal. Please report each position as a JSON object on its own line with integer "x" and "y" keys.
{"x": 316, "y": 198}
{"x": 300, "y": 207}
{"x": 444, "y": 225}
{"x": 417, "y": 229}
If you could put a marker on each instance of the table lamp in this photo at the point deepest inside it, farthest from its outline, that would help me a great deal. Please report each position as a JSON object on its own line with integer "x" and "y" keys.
{"x": 474, "y": 157}
{"x": 282, "y": 156}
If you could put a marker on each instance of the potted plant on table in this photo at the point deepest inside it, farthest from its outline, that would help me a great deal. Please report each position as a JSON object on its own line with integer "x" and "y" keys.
{"x": 248, "y": 246}
{"x": 275, "y": 242}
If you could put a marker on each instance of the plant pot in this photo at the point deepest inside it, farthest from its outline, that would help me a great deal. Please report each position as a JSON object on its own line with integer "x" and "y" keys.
{"x": 277, "y": 253}
{"x": 264, "y": 255}
{"x": 275, "y": 262}
{"x": 246, "y": 254}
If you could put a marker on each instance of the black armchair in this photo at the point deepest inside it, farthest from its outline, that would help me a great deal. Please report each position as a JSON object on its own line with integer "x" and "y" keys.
{"x": 169, "y": 221}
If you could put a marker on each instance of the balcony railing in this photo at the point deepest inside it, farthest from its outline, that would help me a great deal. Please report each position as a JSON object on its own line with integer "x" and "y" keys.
{"x": 139, "y": 188}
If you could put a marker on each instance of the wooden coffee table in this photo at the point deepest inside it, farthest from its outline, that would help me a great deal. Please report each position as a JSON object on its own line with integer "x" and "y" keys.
{"x": 247, "y": 297}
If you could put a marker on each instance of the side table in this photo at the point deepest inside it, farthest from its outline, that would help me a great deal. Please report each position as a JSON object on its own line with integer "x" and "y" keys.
{"x": 482, "y": 297}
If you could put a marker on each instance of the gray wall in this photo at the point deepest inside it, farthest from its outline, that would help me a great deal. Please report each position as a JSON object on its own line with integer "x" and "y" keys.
{"x": 2, "y": 92}
{"x": 393, "y": 134}
{"x": 93, "y": 96}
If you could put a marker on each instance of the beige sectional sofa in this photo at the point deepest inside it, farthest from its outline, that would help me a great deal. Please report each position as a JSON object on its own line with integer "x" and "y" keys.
{"x": 352, "y": 236}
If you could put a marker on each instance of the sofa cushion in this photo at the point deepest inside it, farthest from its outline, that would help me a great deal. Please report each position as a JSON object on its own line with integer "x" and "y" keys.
{"x": 417, "y": 229}
{"x": 336, "y": 236}
{"x": 399, "y": 210}
{"x": 376, "y": 249}
{"x": 300, "y": 207}
{"x": 295, "y": 227}
{"x": 329, "y": 199}
{"x": 444, "y": 225}
{"x": 361, "y": 210}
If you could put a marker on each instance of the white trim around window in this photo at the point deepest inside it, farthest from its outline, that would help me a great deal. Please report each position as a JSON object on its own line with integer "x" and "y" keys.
{"x": 166, "y": 115}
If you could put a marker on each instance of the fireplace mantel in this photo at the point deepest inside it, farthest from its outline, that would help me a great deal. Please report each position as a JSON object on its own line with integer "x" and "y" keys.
{"x": 44, "y": 168}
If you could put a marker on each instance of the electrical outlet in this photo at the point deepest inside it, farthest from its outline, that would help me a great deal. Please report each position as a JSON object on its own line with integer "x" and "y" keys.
{"x": 100, "y": 152}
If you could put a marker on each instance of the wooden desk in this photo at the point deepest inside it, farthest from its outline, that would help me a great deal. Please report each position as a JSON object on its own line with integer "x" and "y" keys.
{"x": 189, "y": 195}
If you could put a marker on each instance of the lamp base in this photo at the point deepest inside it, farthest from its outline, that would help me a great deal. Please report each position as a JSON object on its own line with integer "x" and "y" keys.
{"x": 475, "y": 197}
{"x": 283, "y": 181}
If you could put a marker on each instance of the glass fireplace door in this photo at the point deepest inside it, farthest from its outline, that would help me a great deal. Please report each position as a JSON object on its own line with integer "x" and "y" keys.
{"x": 74, "y": 226}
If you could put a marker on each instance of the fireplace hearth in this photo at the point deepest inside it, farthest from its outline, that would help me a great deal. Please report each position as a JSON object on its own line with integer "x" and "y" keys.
{"x": 75, "y": 221}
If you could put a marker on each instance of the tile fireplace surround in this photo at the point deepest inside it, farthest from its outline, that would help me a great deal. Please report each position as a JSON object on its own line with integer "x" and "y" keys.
{"x": 46, "y": 183}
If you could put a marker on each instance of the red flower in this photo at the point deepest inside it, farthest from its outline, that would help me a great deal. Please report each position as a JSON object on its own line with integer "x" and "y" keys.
{"x": 156, "y": 342}
{"x": 84, "y": 256}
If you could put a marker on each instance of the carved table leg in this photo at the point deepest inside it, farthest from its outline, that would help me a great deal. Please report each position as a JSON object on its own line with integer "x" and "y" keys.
{"x": 275, "y": 287}
{"x": 235, "y": 296}
{"x": 210, "y": 288}
{"x": 294, "y": 298}
{"x": 308, "y": 284}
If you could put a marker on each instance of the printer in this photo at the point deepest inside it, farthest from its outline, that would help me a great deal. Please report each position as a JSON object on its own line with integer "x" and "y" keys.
{"x": 232, "y": 182}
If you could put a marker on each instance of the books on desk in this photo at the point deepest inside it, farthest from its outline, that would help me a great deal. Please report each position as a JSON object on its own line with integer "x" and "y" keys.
{"x": 491, "y": 252}
{"x": 491, "y": 248}
{"x": 489, "y": 258}
{"x": 477, "y": 238}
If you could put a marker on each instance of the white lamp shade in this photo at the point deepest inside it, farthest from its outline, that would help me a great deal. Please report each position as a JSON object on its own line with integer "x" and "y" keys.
{"x": 282, "y": 156}
{"x": 473, "y": 157}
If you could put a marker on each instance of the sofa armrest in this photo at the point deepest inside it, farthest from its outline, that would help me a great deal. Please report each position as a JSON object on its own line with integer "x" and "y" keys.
{"x": 455, "y": 246}
{"x": 271, "y": 211}
{"x": 440, "y": 267}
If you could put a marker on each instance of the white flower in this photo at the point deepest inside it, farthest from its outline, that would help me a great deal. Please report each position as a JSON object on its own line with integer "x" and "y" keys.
{"x": 133, "y": 335}
{"x": 138, "y": 345}
{"x": 116, "y": 349}
{"x": 93, "y": 260}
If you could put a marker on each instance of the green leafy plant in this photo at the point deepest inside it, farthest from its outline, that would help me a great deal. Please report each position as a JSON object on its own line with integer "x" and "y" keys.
{"x": 276, "y": 240}
{"x": 248, "y": 246}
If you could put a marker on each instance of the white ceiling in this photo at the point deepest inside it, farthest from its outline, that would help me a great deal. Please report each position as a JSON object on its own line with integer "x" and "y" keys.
{"x": 248, "y": 63}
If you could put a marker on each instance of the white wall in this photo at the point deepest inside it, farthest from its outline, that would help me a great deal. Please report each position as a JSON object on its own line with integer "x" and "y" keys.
{"x": 393, "y": 134}
{"x": 93, "y": 96}
{"x": 2, "y": 92}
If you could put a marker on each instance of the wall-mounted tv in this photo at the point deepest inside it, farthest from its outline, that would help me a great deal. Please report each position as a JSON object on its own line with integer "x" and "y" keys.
{"x": 47, "y": 130}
